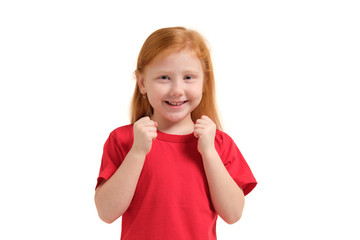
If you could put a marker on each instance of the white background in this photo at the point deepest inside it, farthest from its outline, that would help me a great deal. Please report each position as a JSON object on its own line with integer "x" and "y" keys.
{"x": 287, "y": 76}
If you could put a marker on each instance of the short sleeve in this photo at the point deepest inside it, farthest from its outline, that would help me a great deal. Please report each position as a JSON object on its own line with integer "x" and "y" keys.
{"x": 115, "y": 150}
{"x": 236, "y": 165}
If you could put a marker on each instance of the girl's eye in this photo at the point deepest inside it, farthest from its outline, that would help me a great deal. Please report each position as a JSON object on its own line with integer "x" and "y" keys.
{"x": 188, "y": 77}
{"x": 164, "y": 77}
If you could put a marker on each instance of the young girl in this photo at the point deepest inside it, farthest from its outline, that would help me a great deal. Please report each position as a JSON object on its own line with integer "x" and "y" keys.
{"x": 172, "y": 171}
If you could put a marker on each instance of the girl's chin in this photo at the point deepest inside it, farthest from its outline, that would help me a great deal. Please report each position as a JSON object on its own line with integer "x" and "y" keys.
{"x": 177, "y": 117}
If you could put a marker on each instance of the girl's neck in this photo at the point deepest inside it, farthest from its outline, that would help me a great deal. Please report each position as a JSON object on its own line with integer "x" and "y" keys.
{"x": 186, "y": 126}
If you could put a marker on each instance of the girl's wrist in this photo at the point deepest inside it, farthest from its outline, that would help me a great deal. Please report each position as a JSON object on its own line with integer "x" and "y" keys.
{"x": 209, "y": 152}
{"x": 137, "y": 153}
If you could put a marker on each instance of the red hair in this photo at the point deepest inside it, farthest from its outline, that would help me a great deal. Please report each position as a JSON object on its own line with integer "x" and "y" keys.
{"x": 167, "y": 41}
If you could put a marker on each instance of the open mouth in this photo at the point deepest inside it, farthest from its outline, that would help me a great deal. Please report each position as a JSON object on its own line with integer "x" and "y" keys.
{"x": 175, "y": 103}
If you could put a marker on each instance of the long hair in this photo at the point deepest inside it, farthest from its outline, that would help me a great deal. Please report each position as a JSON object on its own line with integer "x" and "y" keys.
{"x": 167, "y": 41}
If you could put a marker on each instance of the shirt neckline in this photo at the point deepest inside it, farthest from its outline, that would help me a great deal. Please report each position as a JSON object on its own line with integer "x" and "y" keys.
{"x": 187, "y": 138}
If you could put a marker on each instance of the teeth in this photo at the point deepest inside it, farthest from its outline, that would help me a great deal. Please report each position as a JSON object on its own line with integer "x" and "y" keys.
{"x": 175, "y": 104}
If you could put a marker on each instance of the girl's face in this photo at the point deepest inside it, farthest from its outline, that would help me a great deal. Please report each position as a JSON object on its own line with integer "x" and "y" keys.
{"x": 173, "y": 85}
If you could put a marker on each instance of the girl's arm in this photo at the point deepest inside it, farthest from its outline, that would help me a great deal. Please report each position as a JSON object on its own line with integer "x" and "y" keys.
{"x": 113, "y": 197}
{"x": 227, "y": 197}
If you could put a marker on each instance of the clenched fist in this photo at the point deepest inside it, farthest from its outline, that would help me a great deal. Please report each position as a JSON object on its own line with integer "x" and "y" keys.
{"x": 205, "y": 130}
{"x": 144, "y": 133}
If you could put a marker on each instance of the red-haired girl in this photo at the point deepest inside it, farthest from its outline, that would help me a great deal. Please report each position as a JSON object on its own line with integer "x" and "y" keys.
{"x": 172, "y": 171}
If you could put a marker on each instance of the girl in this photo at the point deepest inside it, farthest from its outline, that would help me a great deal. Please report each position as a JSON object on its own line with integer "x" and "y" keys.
{"x": 172, "y": 171}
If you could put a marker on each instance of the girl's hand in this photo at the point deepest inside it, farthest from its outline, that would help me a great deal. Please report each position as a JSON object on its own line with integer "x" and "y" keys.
{"x": 205, "y": 130}
{"x": 144, "y": 133}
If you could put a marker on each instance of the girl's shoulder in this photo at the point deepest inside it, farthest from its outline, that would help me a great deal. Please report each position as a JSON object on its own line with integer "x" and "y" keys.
{"x": 123, "y": 129}
{"x": 223, "y": 142}
{"x": 123, "y": 133}
{"x": 222, "y": 137}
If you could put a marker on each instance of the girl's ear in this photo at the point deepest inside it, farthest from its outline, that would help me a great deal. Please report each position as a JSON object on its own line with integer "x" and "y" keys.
{"x": 140, "y": 81}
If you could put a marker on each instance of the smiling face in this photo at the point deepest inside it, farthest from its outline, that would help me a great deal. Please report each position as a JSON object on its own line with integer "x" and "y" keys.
{"x": 173, "y": 85}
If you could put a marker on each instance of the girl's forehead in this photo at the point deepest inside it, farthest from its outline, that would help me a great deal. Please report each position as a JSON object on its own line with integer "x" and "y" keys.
{"x": 180, "y": 59}
{"x": 168, "y": 53}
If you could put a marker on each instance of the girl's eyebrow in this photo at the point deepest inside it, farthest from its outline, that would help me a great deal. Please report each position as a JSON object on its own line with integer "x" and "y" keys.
{"x": 188, "y": 71}
{"x": 163, "y": 72}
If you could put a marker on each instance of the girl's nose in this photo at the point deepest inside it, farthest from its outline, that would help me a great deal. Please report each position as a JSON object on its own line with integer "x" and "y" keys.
{"x": 177, "y": 88}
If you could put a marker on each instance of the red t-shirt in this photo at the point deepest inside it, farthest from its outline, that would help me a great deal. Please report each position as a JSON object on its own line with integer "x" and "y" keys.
{"x": 172, "y": 199}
